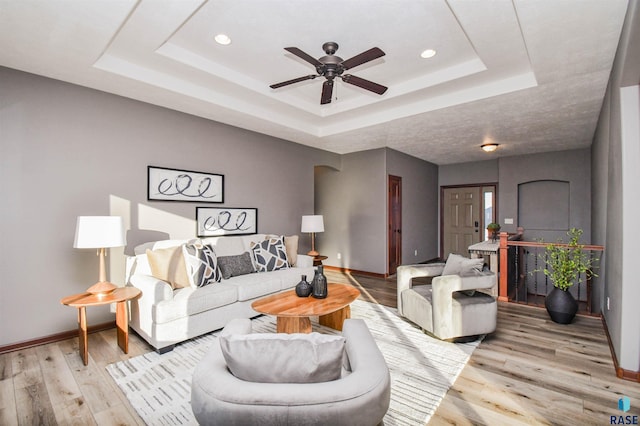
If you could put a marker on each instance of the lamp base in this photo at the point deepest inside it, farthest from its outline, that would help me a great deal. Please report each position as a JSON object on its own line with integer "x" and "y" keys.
{"x": 102, "y": 287}
{"x": 312, "y": 253}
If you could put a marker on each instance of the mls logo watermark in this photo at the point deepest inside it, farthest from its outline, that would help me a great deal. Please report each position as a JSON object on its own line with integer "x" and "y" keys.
{"x": 624, "y": 405}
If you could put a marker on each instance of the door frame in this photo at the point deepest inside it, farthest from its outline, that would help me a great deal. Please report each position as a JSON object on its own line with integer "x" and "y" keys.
{"x": 390, "y": 231}
{"x": 472, "y": 185}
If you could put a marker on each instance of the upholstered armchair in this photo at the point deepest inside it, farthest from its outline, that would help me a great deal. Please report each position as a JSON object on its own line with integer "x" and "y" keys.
{"x": 227, "y": 392}
{"x": 451, "y": 306}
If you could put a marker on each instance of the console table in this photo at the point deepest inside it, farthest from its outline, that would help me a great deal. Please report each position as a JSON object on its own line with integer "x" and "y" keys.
{"x": 488, "y": 248}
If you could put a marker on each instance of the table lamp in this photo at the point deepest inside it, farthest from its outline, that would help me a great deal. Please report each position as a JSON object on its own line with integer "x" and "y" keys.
{"x": 100, "y": 232}
{"x": 312, "y": 224}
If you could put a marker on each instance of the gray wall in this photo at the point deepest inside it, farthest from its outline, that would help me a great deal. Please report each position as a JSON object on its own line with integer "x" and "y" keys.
{"x": 616, "y": 195}
{"x": 67, "y": 151}
{"x": 419, "y": 205}
{"x": 568, "y": 166}
{"x": 509, "y": 172}
{"x": 353, "y": 200}
{"x": 466, "y": 173}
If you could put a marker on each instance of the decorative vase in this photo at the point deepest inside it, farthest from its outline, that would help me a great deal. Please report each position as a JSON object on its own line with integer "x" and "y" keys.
{"x": 319, "y": 284}
{"x": 561, "y": 306}
{"x": 303, "y": 288}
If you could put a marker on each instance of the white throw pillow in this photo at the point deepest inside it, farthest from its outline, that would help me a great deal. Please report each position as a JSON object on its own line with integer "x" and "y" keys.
{"x": 284, "y": 358}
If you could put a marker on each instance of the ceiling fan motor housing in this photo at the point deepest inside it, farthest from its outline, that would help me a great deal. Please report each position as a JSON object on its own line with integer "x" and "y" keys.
{"x": 332, "y": 66}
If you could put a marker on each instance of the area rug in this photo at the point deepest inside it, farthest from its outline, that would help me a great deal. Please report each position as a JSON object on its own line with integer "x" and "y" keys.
{"x": 422, "y": 369}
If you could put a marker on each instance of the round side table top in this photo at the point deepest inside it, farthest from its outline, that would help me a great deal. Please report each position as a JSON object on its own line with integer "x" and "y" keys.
{"x": 120, "y": 294}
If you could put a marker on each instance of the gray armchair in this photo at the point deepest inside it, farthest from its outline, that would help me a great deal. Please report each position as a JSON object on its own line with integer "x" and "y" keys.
{"x": 360, "y": 396}
{"x": 450, "y": 307}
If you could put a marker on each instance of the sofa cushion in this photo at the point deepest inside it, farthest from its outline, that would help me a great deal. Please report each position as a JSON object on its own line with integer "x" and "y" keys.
{"x": 291, "y": 246}
{"x": 191, "y": 301}
{"x": 251, "y": 286}
{"x": 233, "y": 266}
{"x": 270, "y": 254}
{"x": 284, "y": 358}
{"x": 168, "y": 265}
{"x": 202, "y": 266}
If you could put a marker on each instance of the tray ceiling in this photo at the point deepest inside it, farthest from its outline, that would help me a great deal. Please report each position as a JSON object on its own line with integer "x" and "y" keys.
{"x": 529, "y": 75}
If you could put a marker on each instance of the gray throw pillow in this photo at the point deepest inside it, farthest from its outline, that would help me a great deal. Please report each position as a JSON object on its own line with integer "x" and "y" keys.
{"x": 283, "y": 358}
{"x": 233, "y": 266}
{"x": 460, "y": 265}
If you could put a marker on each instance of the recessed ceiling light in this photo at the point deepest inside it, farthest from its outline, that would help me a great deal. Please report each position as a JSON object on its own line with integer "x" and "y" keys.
{"x": 429, "y": 53}
{"x": 489, "y": 147}
{"x": 222, "y": 39}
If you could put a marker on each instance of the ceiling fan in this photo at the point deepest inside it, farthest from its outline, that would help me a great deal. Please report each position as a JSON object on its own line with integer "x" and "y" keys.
{"x": 332, "y": 66}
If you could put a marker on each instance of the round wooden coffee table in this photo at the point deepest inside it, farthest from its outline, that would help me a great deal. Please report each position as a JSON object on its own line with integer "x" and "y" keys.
{"x": 293, "y": 312}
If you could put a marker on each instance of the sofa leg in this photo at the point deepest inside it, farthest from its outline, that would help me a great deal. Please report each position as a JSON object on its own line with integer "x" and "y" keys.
{"x": 165, "y": 349}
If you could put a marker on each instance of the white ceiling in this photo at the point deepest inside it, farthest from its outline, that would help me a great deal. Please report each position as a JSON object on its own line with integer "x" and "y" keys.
{"x": 527, "y": 74}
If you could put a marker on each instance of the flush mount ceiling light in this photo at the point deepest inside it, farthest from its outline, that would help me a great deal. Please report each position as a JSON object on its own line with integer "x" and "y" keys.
{"x": 222, "y": 39}
{"x": 429, "y": 53}
{"x": 489, "y": 147}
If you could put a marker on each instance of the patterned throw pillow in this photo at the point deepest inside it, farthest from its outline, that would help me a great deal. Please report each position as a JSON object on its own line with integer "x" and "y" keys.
{"x": 202, "y": 264}
{"x": 270, "y": 254}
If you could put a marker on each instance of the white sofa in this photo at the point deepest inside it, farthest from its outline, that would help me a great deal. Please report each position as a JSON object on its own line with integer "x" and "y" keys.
{"x": 164, "y": 316}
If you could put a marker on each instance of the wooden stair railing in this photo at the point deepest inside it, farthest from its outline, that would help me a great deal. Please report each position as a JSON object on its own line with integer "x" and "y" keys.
{"x": 505, "y": 243}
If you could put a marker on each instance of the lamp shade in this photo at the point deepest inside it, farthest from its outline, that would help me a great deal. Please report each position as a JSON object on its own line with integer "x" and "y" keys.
{"x": 312, "y": 223}
{"x": 99, "y": 232}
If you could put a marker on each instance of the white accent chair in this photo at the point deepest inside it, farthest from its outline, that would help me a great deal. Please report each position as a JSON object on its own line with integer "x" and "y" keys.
{"x": 450, "y": 307}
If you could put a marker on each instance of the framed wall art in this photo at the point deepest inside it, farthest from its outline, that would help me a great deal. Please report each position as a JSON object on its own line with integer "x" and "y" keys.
{"x": 218, "y": 221}
{"x": 184, "y": 185}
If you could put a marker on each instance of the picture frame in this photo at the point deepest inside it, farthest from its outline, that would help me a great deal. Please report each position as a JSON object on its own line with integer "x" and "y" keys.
{"x": 219, "y": 221}
{"x": 165, "y": 184}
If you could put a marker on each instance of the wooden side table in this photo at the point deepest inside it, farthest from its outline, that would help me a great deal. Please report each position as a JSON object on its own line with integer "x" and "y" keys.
{"x": 119, "y": 296}
{"x": 318, "y": 260}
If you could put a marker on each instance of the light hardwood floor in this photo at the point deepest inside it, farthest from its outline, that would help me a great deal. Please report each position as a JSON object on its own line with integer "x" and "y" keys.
{"x": 530, "y": 371}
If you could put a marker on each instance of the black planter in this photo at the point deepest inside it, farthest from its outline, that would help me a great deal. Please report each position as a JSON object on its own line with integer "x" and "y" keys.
{"x": 561, "y": 306}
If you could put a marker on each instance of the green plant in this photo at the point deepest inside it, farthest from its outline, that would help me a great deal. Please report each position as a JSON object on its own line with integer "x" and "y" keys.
{"x": 565, "y": 262}
{"x": 493, "y": 226}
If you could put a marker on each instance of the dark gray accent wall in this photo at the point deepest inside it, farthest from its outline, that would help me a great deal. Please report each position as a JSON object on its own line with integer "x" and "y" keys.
{"x": 616, "y": 195}
{"x": 67, "y": 151}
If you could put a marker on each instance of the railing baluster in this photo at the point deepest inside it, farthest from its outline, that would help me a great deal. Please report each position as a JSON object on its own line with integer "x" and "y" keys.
{"x": 521, "y": 278}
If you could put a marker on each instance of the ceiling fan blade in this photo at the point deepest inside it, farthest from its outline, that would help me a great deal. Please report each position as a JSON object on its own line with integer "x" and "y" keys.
{"x": 327, "y": 91}
{"x": 365, "y": 84}
{"x": 300, "y": 54}
{"x": 369, "y": 55}
{"x": 295, "y": 80}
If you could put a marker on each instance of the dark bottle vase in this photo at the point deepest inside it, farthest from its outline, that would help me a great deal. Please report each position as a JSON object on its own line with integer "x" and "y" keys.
{"x": 303, "y": 288}
{"x": 319, "y": 284}
{"x": 561, "y": 306}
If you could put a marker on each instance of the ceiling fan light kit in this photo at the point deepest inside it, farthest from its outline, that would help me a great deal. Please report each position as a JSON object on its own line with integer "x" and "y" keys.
{"x": 332, "y": 66}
